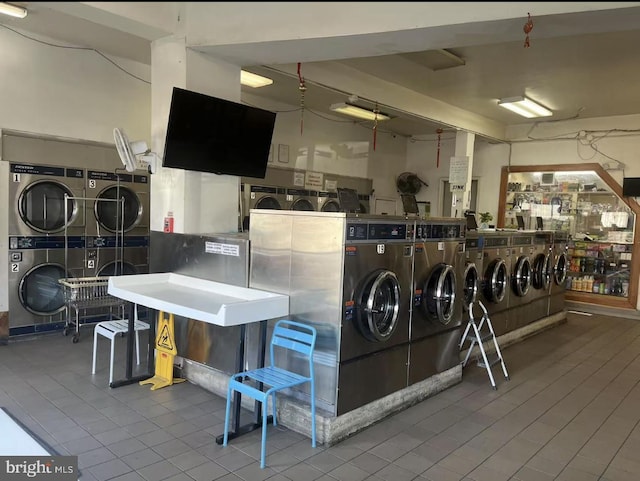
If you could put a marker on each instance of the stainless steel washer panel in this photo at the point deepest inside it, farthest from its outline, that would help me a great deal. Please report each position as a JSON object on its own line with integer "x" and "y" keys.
{"x": 320, "y": 259}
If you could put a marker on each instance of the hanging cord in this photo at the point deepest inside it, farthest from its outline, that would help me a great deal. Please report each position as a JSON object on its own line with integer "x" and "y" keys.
{"x": 527, "y": 30}
{"x": 303, "y": 88}
{"x": 375, "y": 125}
{"x": 439, "y": 132}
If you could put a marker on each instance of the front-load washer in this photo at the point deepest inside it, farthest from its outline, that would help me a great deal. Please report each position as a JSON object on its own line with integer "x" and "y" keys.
{"x": 37, "y": 263}
{"x": 328, "y": 202}
{"x": 440, "y": 283}
{"x": 559, "y": 273}
{"x": 542, "y": 270}
{"x": 520, "y": 280}
{"x": 374, "y": 348}
{"x": 37, "y": 196}
{"x": 267, "y": 197}
{"x": 496, "y": 266}
{"x": 302, "y": 199}
{"x": 474, "y": 243}
{"x": 119, "y": 205}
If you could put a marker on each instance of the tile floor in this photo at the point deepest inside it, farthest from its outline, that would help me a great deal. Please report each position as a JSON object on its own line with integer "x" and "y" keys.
{"x": 570, "y": 412}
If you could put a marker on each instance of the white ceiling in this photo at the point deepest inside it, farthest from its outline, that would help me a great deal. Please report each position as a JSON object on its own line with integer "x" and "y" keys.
{"x": 588, "y": 69}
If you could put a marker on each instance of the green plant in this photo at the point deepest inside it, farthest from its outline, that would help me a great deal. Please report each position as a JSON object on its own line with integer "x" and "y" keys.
{"x": 485, "y": 217}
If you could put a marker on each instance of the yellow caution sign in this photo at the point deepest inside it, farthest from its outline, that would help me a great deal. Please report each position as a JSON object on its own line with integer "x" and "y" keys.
{"x": 166, "y": 352}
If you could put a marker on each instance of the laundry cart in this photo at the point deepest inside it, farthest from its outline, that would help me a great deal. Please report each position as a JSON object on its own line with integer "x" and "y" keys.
{"x": 85, "y": 298}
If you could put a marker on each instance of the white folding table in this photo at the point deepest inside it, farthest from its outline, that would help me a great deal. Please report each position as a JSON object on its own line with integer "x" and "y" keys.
{"x": 206, "y": 301}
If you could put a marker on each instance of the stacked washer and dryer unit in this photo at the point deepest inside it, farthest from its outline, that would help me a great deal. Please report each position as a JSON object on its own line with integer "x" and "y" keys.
{"x": 117, "y": 220}
{"x": 44, "y": 246}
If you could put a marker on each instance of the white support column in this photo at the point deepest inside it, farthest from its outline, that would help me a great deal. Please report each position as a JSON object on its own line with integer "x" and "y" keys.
{"x": 199, "y": 202}
{"x": 464, "y": 148}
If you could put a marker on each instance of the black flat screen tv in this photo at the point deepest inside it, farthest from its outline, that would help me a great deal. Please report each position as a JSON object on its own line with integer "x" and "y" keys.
{"x": 209, "y": 134}
{"x": 631, "y": 187}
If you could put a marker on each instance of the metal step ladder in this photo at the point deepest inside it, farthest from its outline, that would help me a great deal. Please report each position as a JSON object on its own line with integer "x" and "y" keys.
{"x": 483, "y": 335}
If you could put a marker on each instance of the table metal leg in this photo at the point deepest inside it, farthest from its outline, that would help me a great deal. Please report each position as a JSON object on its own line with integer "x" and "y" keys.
{"x": 129, "y": 379}
{"x": 237, "y": 397}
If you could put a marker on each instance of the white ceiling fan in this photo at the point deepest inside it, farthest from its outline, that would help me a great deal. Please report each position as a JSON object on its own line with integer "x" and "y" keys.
{"x": 130, "y": 151}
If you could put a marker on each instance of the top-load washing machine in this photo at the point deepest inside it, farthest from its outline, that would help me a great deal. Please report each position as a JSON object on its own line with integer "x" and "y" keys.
{"x": 442, "y": 283}
{"x": 302, "y": 199}
{"x": 120, "y": 203}
{"x": 328, "y": 202}
{"x": 496, "y": 266}
{"x": 520, "y": 282}
{"x": 559, "y": 273}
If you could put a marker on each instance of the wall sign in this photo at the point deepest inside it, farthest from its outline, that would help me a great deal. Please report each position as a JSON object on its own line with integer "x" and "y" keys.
{"x": 459, "y": 173}
{"x": 313, "y": 180}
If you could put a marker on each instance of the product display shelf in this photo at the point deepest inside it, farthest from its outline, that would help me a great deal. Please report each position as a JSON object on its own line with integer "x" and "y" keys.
{"x": 599, "y": 268}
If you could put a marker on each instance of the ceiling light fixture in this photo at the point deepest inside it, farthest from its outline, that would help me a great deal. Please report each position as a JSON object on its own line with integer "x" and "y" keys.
{"x": 13, "y": 10}
{"x": 359, "y": 112}
{"x": 254, "y": 80}
{"x": 525, "y": 107}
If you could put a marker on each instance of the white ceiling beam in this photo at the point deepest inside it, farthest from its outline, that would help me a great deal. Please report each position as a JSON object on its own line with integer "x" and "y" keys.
{"x": 352, "y": 81}
{"x": 149, "y": 20}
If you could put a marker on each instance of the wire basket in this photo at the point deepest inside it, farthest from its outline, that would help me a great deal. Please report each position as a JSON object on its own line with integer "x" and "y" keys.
{"x": 85, "y": 288}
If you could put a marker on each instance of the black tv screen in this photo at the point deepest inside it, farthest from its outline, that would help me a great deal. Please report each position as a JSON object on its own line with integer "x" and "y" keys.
{"x": 208, "y": 134}
{"x": 631, "y": 187}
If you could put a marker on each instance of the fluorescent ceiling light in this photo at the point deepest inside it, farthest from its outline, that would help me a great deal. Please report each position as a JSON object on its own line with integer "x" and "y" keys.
{"x": 253, "y": 80}
{"x": 359, "y": 112}
{"x": 12, "y": 10}
{"x": 525, "y": 107}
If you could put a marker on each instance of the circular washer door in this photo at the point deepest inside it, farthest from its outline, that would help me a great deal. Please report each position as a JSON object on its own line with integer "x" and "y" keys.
{"x": 522, "y": 276}
{"x": 379, "y": 306}
{"x": 470, "y": 286}
{"x": 268, "y": 203}
{"x": 331, "y": 206}
{"x": 560, "y": 269}
{"x": 39, "y": 290}
{"x": 118, "y": 269}
{"x": 541, "y": 271}
{"x": 439, "y": 293}
{"x": 302, "y": 204}
{"x": 109, "y": 213}
{"x": 496, "y": 281}
{"x": 41, "y": 206}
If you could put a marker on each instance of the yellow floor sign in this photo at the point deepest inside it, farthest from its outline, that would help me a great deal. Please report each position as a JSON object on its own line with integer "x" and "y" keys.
{"x": 166, "y": 352}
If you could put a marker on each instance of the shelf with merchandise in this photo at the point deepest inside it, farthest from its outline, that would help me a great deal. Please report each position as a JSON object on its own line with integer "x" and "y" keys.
{"x": 586, "y": 202}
